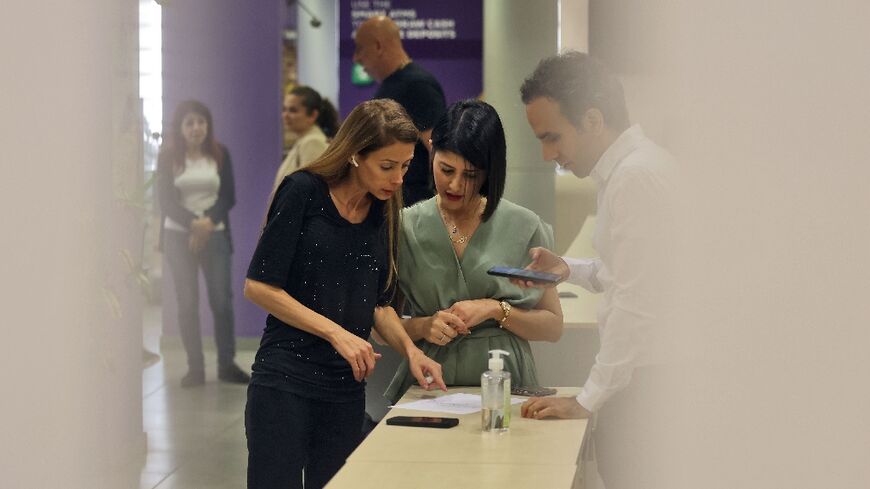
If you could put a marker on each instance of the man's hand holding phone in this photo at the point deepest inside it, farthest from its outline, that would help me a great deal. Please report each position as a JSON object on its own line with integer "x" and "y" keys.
{"x": 544, "y": 260}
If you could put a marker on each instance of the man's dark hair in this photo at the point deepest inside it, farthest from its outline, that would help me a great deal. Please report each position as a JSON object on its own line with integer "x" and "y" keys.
{"x": 578, "y": 82}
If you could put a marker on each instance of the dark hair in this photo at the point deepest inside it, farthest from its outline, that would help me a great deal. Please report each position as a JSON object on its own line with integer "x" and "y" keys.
{"x": 473, "y": 130}
{"x": 327, "y": 116}
{"x": 370, "y": 126}
{"x": 173, "y": 149}
{"x": 578, "y": 82}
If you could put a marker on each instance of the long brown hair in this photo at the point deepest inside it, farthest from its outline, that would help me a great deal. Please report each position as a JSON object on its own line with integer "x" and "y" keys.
{"x": 369, "y": 127}
{"x": 173, "y": 149}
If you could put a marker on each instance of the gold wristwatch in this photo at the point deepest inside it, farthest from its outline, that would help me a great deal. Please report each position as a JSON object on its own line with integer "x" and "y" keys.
{"x": 506, "y": 311}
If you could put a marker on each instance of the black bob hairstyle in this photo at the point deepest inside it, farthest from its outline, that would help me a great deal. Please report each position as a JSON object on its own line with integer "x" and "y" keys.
{"x": 472, "y": 129}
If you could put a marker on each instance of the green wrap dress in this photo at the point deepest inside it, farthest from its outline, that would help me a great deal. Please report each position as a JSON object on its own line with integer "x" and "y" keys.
{"x": 433, "y": 278}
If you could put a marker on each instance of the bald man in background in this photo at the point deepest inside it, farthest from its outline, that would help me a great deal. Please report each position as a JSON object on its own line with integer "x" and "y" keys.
{"x": 379, "y": 50}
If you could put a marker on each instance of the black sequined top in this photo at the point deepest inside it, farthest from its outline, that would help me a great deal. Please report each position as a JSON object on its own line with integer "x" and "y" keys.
{"x": 331, "y": 266}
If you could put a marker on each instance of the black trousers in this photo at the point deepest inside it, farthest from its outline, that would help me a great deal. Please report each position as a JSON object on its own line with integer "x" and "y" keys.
{"x": 288, "y": 435}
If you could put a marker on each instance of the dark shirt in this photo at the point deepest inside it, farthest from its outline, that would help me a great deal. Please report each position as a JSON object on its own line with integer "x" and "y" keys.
{"x": 421, "y": 95}
{"x": 331, "y": 266}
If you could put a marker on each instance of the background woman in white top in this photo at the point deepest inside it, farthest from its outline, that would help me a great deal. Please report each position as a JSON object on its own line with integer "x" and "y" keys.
{"x": 315, "y": 120}
{"x": 196, "y": 192}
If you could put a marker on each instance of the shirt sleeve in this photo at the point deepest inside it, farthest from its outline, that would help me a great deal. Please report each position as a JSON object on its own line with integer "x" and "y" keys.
{"x": 542, "y": 237}
{"x": 310, "y": 149}
{"x": 584, "y": 272}
{"x": 635, "y": 265}
{"x": 276, "y": 249}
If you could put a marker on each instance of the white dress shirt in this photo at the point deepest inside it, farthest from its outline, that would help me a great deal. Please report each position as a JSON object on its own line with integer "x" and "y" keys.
{"x": 635, "y": 188}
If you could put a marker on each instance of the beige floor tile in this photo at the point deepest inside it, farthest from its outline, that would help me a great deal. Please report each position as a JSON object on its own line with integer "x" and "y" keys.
{"x": 196, "y": 437}
{"x": 150, "y": 480}
{"x": 186, "y": 478}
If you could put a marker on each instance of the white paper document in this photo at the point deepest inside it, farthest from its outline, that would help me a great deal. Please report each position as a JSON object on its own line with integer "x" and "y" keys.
{"x": 451, "y": 404}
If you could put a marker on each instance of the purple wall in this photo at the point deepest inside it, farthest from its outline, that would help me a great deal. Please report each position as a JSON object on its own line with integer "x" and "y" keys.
{"x": 456, "y": 63}
{"x": 227, "y": 54}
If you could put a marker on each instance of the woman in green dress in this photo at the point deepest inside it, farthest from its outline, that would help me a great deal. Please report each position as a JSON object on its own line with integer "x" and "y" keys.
{"x": 447, "y": 243}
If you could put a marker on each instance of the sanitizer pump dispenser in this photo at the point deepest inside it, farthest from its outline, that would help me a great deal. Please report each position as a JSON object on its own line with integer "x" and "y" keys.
{"x": 495, "y": 394}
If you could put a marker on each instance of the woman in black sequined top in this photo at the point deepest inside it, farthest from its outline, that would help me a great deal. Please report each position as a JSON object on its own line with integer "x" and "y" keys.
{"x": 325, "y": 271}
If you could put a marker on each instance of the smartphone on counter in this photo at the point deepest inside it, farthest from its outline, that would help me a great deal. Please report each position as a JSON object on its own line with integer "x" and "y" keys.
{"x": 534, "y": 391}
{"x": 523, "y": 274}
{"x": 422, "y": 421}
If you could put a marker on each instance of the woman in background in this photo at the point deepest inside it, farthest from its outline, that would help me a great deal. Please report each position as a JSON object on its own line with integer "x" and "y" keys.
{"x": 448, "y": 243}
{"x": 196, "y": 191}
{"x": 315, "y": 120}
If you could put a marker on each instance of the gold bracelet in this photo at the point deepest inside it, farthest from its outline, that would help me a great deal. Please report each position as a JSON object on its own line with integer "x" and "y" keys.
{"x": 506, "y": 311}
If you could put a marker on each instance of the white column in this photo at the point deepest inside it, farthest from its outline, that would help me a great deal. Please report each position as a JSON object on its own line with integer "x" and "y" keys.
{"x": 71, "y": 414}
{"x": 318, "y": 47}
{"x": 516, "y": 35}
{"x": 574, "y": 25}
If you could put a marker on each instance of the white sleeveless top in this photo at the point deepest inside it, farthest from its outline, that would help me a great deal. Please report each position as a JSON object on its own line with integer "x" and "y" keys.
{"x": 199, "y": 184}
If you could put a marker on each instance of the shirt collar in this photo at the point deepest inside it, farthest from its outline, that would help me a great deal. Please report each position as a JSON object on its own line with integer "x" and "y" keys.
{"x": 401, "y": 68}
{"x": 314, "y": 129}
{"x": 624, "y": 145}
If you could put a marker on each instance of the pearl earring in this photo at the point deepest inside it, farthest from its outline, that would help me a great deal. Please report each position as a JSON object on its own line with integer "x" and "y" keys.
{"x": 353, "y": 162}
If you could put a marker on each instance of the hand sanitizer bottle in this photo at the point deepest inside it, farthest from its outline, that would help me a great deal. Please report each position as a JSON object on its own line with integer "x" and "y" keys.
{"x": 495, "y": 395}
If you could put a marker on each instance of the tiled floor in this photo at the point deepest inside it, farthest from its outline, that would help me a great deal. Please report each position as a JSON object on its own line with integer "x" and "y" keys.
{"x": 196, "y": 437}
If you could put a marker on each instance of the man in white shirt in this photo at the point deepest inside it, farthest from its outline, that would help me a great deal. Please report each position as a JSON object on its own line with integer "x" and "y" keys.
{"x": 576, "y": 109}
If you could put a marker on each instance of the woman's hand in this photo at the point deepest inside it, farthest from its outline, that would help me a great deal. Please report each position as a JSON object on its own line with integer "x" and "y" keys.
{"x": 425, "y": 370}
{"x": 358, "y": 352}
{"x": 476, "y": 311}
{"x": 200, "y": 230}
{"x": 442, "y": 327}
{"x": 544, "y": 260}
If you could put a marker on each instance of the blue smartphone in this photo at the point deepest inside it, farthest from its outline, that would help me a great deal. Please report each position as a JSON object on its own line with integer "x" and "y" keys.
{"x": 523, "y": 274}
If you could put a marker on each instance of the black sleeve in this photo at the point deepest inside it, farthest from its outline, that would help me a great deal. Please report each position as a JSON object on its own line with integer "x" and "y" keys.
{"x": 168, "y": 194}
{"x": 425, "y": 104}
{"x": 226, "y": 193}
{"x": 273, "y": 257}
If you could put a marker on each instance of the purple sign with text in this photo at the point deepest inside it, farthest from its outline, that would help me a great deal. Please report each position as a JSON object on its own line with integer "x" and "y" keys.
{"x": 445, "y": 37}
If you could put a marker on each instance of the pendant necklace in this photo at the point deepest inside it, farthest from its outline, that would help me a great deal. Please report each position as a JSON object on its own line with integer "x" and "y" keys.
{"x": 452, "y": 230}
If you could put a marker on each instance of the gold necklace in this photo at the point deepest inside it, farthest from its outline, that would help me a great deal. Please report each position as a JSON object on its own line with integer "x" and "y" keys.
{"x": 452, "y": 230}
